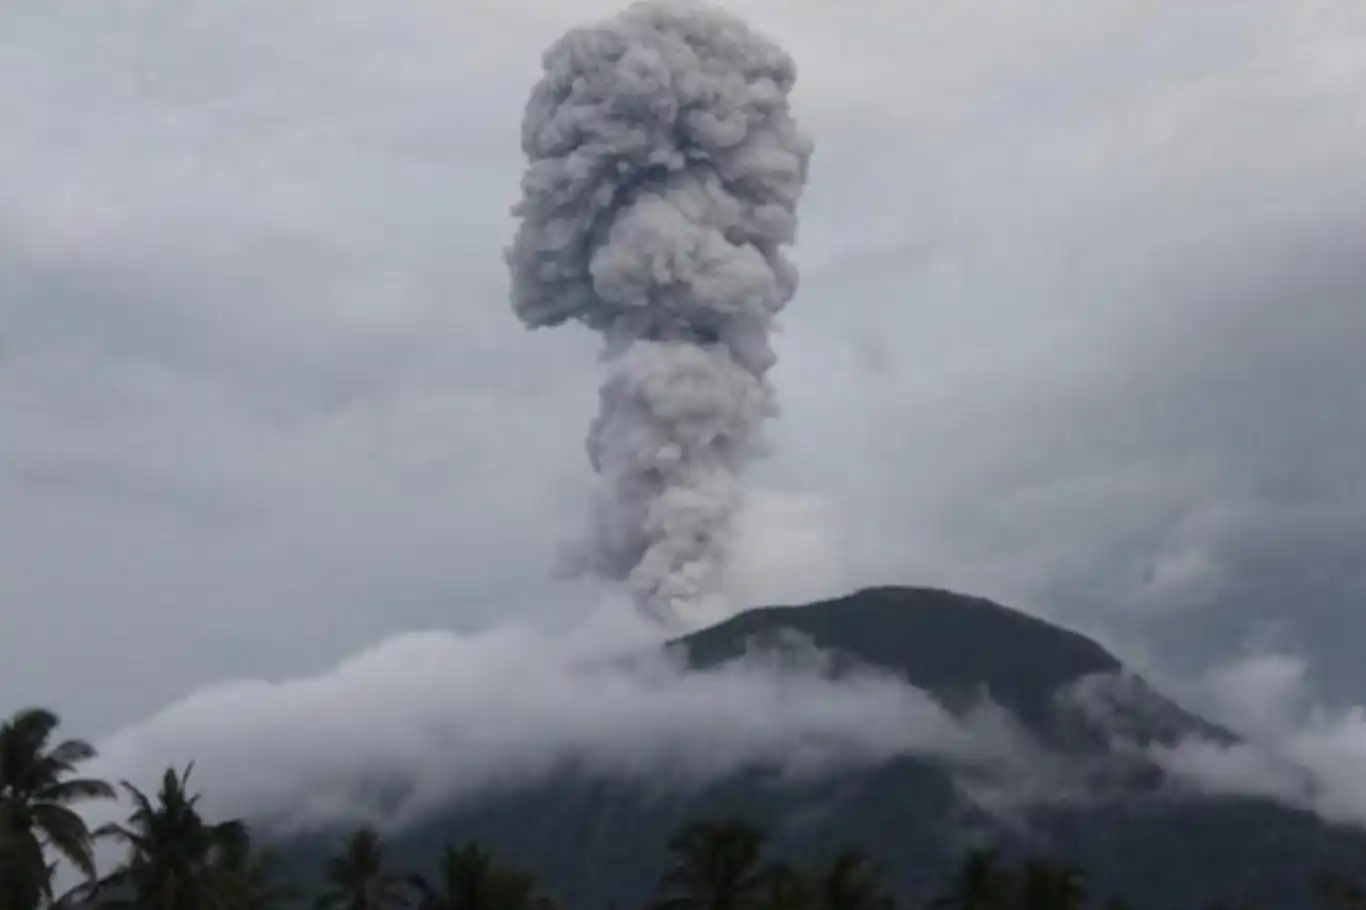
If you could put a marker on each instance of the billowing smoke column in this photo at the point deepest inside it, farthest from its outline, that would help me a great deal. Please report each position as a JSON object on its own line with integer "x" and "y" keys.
{"x": 663, "y": 178}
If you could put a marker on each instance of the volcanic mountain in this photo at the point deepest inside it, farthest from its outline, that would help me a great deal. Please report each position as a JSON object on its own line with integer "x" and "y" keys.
{"x": 1103, "y": 806}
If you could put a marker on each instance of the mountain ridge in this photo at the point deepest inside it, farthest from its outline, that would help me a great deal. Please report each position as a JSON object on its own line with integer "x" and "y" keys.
{"x": 982, "y": 649}
{"x": 599, "y": 840}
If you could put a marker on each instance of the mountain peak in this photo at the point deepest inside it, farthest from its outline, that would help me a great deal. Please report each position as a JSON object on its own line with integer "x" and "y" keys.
{"x": 948, "y": 644}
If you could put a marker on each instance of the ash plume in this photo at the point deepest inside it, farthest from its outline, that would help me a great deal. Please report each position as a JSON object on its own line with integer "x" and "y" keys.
{"x": 663, "y": 178}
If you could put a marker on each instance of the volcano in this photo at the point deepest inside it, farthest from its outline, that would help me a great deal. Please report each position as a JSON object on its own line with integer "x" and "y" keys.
{"x": 1137, "y": 833}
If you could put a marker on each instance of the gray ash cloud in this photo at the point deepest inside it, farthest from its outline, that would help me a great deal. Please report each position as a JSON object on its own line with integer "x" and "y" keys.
{"x": 663, "y": 179}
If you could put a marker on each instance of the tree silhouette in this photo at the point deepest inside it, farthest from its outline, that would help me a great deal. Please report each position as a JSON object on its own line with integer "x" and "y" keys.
{"x": 979, "y": 882}
{"x": 174, "y": 856}
{"x": 356, "y": 877}
{"x": 852, "y": 882}
{"x": 250, "y": 877}
{"x": 37, "y": 792}
{"x": 1044, "y": 885}
{"x": 468, "y": 879}
{"x": 716, "y": 866}
{"x": 784, "y": 888}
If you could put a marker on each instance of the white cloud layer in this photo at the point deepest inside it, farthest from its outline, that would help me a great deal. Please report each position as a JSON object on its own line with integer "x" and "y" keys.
{"x": 1295, "y": 748}
{"x": 423, "y": 720}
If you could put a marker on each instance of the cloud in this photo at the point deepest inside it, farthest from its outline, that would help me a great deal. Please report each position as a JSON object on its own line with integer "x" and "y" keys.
{"x": 1295, "y": 748}
{"x": 424, "y": 720}
{"x": 1079, "y": 329}
{"x": 789, "y": 549}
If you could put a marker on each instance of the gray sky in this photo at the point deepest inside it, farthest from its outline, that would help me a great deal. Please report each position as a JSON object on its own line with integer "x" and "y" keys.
{"x": 1080, "y": 329}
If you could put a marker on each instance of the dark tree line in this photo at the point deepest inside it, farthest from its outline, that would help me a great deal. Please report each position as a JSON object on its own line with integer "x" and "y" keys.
{"x": 175, "y": 859}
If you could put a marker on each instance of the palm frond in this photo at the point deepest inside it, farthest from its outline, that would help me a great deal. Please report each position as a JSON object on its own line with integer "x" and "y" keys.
{"x": 67, "y": 832}
{"x": 76, "y": 790}
{"x": 72, "y": 752}
{"x": 118, "y": 833}
{"x": 32, "y": 724}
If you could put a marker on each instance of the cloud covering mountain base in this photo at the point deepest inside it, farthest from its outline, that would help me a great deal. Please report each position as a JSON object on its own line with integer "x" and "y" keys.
{"x": 1295, "y": 749}
{"x": 425, "y": 719}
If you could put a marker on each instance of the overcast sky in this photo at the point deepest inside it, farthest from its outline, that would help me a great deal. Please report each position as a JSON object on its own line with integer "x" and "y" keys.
{"x": 1081, "y": 329}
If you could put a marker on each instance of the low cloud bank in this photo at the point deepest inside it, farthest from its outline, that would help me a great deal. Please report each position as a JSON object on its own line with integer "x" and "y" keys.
{"x": 1295, "y": 749}
{"x": 425, "y": 719}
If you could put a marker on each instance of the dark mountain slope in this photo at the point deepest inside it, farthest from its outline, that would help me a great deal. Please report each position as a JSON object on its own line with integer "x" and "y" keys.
{"x": 599, "y": 841}
{"x": 939, "y": 639}
{"x": 959, "y": 648}
{"x": 945, "y": 643}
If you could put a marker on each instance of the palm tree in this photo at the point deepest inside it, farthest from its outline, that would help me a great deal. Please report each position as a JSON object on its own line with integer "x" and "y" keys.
{"x": 979, "y": 883}
{"x": 852, "y": 882}
{"x": 784, "y": 888}
{"x": 36, "y": 795}
{"x": 517, "y": 889}
{"x": 249, "y": 876}
{"x": 357, "y": 879}
{"x": 25, "y": 879}
{"x": 1046, "y": 886}
{"x": 716, "y": 867}
{"x": 174, "y": 856}
{"x": 469, "y": 879}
